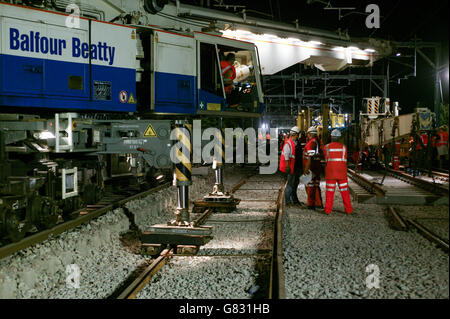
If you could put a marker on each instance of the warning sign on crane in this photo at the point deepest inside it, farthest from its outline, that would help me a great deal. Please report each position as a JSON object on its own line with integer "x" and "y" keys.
{"x": 131, "y": 100}
{"x": 149, "y": 131}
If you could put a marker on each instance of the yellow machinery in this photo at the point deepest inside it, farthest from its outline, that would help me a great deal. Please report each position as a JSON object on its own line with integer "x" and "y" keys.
{"x": 304, "y": 119}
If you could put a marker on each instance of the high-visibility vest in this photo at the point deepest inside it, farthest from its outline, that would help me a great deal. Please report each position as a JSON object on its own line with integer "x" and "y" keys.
{"x": 227, "y": 66}
{"x": 336, "y": 161}
{"x": 424, "y": 139}
{"x": 443, "y": 138}
{"x": 267, "y": 136}
{"x": 291, "y": 157}
{"x": 311, "y": 149}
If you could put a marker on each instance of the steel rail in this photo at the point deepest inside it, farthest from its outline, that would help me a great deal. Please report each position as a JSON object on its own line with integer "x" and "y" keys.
{"x": 240, "y": 183}
{"x": 39, "y": 237}
{"x": 144, "y": 278}
{"x": 439, "y": 175}
{"x": 371, "y": 187}
{"x": 277, "y": 286}
{"x": 133, "y": 289}
{"x": 402, "y": 224}
{"x": 398, "y": 222}
{"x": 440, "y": 170}
{"x": 428, "y": 186}
{"x": 429, "y": 234}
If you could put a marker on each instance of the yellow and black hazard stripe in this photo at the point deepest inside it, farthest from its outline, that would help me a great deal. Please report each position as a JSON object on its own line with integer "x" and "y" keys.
{"x": 220, "y": 149}
{"x": 369, "y": 106}
{"x": 183, "y": 169}
{"x": 376, "y": 106}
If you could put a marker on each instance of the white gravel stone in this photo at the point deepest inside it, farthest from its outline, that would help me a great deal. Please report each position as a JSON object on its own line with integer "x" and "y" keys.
{"x": 203, "y": 278}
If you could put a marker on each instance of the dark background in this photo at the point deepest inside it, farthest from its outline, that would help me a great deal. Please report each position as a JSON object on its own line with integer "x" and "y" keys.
{"x": 401, "y": 20}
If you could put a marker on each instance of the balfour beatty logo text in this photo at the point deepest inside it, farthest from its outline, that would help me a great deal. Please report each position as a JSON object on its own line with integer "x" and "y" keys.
{"x": 34, "y": 42}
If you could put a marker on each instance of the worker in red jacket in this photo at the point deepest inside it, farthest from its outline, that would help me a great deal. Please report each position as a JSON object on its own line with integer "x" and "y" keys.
{"x": 336, "y": 172}
{"x": 287, "y": 164}
{"x": 442, "y": 146}
{"x": 311, "y": 162}
{"x": 228, "y": 72}
{"x": 421, "y": 151}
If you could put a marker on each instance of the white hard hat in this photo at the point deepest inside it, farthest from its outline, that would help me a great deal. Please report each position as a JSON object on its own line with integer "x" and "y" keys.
{"x": 295, "y": 129}
{"x": 312, "y": 130}
{"x": 336, "y": 133}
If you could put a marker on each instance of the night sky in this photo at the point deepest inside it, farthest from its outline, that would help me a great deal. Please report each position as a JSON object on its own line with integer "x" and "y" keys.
{"x": 401, "y": 20}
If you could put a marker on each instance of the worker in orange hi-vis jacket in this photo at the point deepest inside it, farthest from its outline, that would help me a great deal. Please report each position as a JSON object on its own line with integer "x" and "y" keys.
{"x": 442, "y": 146}
{"x": 336, "y": 172}
{"x": 421, "y": 149}
{"x": 287, "y": 164}
{"x": 311, "y": 161}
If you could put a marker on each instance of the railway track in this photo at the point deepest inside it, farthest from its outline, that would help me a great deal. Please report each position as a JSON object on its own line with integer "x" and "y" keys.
{"x": 272, "y": 285}
{"x": 440, "y": 170}
{"x": 109, "y": 202}
{"x": 420, "y": 183}
{"x": 440, "y": 175}
{"x": 435, "y": 174}
{"x": 405, "y": 224}
{"x": 393, "y": 187}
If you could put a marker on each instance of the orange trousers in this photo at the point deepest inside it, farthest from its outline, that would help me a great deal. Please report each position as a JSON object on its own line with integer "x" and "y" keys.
{"x": 313, "y": 192}
{"x": 345, "y": 193}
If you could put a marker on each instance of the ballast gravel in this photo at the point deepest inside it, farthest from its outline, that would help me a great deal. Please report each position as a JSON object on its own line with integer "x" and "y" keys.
{"x": 359, "y": 256}
{"x": 205, "y": 278}
{"x": 87, "y": 262}
{"x": 234, "y": 234}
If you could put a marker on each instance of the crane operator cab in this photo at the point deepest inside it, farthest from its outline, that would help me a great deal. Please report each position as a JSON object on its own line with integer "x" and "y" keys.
{"x": 197, "y": 73}
{"x": 230, "y": 80}
{"x": 238, "y": 79}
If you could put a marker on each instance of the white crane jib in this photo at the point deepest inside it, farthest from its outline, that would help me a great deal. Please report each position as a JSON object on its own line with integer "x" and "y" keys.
{"x": 280, "y": 45}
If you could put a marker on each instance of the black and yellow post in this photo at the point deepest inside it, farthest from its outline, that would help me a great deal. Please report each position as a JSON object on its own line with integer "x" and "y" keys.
{"x": 183, "y": 172}
{"x": 218, "y": 199}
{"x": 181, "y": 232}
{"x": 219, "y": 161}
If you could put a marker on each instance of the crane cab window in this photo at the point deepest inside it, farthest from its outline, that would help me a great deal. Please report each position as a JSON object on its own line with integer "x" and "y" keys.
{"x": 239, "y": 79}
{"x": 210, "y": 80}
